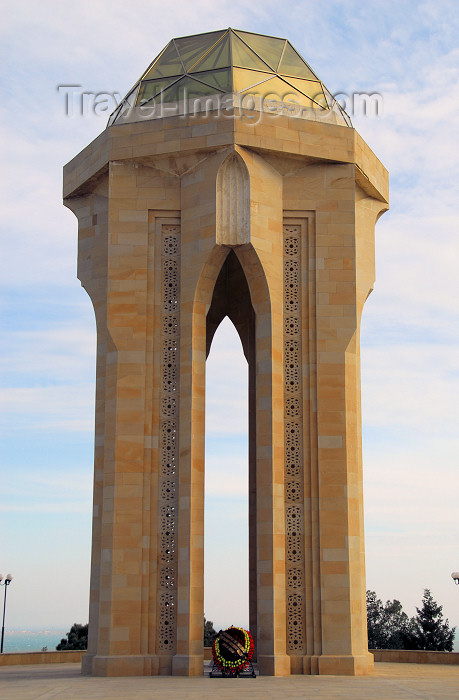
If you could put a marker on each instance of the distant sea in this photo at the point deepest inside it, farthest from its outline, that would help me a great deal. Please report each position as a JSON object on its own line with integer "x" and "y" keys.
{"x": 32, "y": 640}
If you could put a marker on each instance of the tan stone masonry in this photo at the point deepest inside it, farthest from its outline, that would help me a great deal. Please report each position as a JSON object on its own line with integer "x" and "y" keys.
{"x": 184, "y": 220}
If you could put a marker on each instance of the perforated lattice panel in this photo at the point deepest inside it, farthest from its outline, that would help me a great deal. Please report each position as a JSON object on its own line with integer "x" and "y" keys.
{"x": 293, "y": 439}
{"x": 295, "y": 622}
{"x": 293, "y": 490}
{"x": 168, "y": 547}
{"x": 294, "y": 549}
{"x": 291, "y": 326}
{"x": 167, "y": 621}
{"x": 169, "y": 448}
{"x": 294, "y": 516}
{"x": 168, "y": 407}
{"x": 170, "y": 325}
{"x": 291, "y": 244}
{"x": 170, "y": 285}
{"x": 167, "y": 577}
{"x": 295, "y": 578}
{"x": 168, "y": 490}
{"x": 292, "y": 407}
{"x": 170, "y": 365}
{"x": 291, "y": 286}
{"x": 292, "y": 363}
{"x": 168, "y": 522}
{"x": 168, "y": 434}
{"x": 168, "y": 463}
{"x": 170, "y": 241}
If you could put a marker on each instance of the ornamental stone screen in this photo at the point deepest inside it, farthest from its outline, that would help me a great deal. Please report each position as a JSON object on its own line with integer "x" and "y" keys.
{"x": 228, "y": 182}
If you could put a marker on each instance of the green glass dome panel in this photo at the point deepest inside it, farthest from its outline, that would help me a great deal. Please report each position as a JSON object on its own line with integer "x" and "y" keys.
{"x": 222, "y": 79}
{"x": 244, "y": 79}
{"x": 273, "y": 88}
{"x": 126, "y": 105}
{"x": 269, "y": 48}
{"x": 218, "y": 57}
{"x": 168, "y": 63}
{"x": 244, "y": 57}
{"x": 310, "y": 88}
{"x": 292, "y": 64}
{"x": 192, "y": 48}
{"x": 189, "y": 88}
{"x": 151, "y": 88}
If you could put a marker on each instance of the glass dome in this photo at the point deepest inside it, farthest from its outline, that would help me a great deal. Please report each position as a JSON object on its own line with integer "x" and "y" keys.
{"x": 236, "y": 69}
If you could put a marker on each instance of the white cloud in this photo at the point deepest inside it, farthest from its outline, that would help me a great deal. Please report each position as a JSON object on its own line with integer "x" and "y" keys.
{"x": 412, "y": 385}
{"x": 227, "y": 476}
{"x": 48, "y": 408}
{"x": 47, "y": 491}
{"x": 61, "y": 352}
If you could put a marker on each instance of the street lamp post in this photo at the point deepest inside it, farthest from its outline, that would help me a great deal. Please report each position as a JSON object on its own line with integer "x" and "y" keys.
{"x": 5, "y": 583}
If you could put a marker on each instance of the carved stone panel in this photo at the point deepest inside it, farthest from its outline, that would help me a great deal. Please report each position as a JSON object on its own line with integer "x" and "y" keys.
{"x": 233, "y": 202}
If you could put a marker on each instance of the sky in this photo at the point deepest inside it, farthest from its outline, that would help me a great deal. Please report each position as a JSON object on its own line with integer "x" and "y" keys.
{"x": 407, "y": 53}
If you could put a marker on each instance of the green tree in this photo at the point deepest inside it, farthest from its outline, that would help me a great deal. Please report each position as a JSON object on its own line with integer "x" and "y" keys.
{"x": 77, "y": 639}
{"x": 427, "y": 630}
{"x": 374, "y": 615}
{"x": 387, "y": 624}
{"x": 209, "y": 633}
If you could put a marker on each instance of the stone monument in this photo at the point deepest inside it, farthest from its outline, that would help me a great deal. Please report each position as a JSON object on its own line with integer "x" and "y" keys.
{"x": 229, "y": 182}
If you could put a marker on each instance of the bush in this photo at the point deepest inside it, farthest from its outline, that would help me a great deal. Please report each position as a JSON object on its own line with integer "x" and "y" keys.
{"x": 77, "y": 639}
{"x": 209, "y": 633}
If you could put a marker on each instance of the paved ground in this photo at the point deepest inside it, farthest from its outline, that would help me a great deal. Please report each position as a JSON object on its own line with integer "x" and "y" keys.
{"x": 389, "y": 682}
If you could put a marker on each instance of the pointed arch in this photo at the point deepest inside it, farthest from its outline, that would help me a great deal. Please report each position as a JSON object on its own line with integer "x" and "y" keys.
{"x": 253, "y": 273}
{"x": 238, "y": 272}
{"x": 231, "y": 297}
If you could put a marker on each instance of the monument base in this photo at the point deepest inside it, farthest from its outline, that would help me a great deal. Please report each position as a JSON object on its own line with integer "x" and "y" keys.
{"x": 86, "y": 664}
{"x": 188, "y": 665}
{"x": 274, "y": 665}
{"x": 138, "y": 665}
{"x": 336, "y": 665}
{"x": 342, "y": 665}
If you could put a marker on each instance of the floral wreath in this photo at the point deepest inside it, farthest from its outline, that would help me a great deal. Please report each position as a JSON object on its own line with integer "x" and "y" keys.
{"x": 232, "y": 650}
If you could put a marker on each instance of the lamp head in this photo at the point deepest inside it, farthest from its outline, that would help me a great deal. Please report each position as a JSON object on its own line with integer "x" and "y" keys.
{"x": 455, "y": 576}
{"x": 8, "y": 578}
